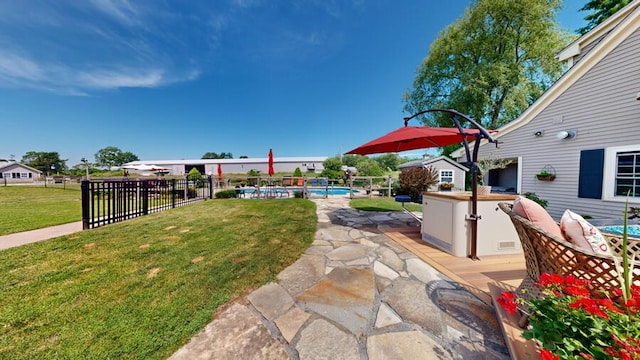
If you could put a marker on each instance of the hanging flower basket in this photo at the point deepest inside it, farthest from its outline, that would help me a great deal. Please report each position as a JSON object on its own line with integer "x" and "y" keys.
{"x": 548, "y": 173}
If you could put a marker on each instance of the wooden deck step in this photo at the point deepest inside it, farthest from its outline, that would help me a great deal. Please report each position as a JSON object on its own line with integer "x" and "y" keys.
{"x": 486, "y": 278}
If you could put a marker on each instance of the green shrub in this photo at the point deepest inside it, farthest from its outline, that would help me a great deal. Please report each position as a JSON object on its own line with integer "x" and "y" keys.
{"x": 252, "y": 177}
{"x": 196, "y": 177}
{"x": 298, "y": 194}
{"x": 297, "y": 172}
{"x": 226, "y": 194}
{"x": 534, "y": 197}
{"x": 414, "y": 181}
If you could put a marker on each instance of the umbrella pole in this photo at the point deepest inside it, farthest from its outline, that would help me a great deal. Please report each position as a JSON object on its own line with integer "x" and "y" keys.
{"x": 474, "y": 217}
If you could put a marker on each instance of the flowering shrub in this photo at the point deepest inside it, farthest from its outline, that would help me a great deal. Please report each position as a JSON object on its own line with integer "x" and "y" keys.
{"x": 570, "y": 323}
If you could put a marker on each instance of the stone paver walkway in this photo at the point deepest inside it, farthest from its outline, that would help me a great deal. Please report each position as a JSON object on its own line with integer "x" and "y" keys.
{"x": 354, "y": 294}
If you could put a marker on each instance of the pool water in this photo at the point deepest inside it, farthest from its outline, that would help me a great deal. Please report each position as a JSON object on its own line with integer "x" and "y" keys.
{"x": 632, "y": 230}
{"x": 331, "y": 191}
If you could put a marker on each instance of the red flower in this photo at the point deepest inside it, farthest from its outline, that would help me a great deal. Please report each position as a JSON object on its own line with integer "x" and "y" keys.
{"x": 550, "y": 279}
{"x": 507, "y": 301}
{"x": 589, "y": 305}
{"x": 576, "y": 291}
{"x": 548, "y": 355}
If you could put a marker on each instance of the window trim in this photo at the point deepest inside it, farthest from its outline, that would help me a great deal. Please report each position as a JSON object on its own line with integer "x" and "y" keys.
{"x": 453, "y": 173}
{"x": 609, "y": 181}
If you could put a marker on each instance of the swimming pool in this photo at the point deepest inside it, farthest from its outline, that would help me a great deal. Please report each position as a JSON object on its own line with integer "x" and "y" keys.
{"x": 331, "y": 191}
{"x": 632, "y": 230}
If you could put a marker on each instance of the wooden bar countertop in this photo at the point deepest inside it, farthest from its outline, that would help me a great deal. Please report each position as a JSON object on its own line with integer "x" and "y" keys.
{"x": 466, "y": 195}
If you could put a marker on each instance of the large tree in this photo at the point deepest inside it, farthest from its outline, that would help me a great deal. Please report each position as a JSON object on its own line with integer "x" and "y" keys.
{"x": 112, "y": 156}
{"x": 47, "y": 162}
{"x": 214, "y": 155}
{"x": 602, "y": 9}
{"x": 491, "y": 63}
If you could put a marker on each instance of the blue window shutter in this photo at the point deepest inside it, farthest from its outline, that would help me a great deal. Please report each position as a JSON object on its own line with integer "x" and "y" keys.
{"x": 591, "y": 174}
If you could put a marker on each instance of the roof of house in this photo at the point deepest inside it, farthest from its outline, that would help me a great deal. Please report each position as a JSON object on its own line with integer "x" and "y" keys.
{"x": 429, "y": 161}
{"x": 610, "y": 33}
{"x": 8, "y": 164}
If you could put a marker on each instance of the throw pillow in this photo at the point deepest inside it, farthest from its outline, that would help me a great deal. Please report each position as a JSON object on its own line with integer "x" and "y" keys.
{"x": 581, "y": 233}
{"x": 535, "y": 213}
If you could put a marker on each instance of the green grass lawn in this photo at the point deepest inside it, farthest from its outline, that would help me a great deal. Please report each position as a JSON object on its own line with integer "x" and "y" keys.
{"x": 382, "y": 204}
{"x": 29, "y": 207}
{"x": 142, "y": 288}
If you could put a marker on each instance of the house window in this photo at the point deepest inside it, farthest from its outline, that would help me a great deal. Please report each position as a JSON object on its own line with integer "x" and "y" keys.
{"x": 24, "y": 175}
{"x": 15, "y": 175}
{"x": 446, "y": 176}
{"x": 621, "y": 173}
{"x": 627, "y": 174}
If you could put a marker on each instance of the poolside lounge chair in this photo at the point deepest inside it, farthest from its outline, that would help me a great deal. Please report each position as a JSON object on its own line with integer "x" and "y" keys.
{"x": 548, "y": 253}
{"x": 323, "y": 182}
{"x": 314, "y": 182}
{"x": 300, "y": 181}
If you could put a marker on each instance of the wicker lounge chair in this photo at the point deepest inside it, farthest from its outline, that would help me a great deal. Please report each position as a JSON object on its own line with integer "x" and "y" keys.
{"x": 547, "y": 253}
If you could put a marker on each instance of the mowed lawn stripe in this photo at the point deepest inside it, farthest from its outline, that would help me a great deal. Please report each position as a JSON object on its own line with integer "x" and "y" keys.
{"x": 144, "y": 287}
{"x": 24, "y": 208}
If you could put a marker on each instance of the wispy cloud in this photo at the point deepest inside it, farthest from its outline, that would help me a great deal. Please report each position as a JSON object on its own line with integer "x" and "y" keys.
{"x": 120, "y": 10}
{"x": 78, "y": 48}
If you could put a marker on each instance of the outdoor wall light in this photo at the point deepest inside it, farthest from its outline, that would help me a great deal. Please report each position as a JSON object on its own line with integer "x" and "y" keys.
{"x": 538, "y": 133}
{"x": 567, "y": 134}
{"x": 638, "y": 96}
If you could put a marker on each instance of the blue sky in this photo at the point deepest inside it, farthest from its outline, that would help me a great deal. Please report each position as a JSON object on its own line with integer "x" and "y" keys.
{"x": 177, "y": 79}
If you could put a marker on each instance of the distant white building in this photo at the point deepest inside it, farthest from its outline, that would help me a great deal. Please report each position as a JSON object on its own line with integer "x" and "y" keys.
{"x": 236, "y": 166}
{"x": 15, "y": 172}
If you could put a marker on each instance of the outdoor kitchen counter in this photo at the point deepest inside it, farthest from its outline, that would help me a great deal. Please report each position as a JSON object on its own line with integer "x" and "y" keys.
{"x": 444, "y": 224}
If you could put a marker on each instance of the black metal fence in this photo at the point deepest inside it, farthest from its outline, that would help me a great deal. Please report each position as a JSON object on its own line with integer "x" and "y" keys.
{"x": 109, "y": 201}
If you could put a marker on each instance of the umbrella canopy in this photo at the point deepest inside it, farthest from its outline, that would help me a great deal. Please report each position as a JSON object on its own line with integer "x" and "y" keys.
{"x": 271, "y": 163}
{"x": 414, "y": 137}
{"x": 219, "y": 172}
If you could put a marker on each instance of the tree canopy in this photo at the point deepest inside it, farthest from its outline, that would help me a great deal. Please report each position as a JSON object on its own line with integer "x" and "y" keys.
{"x": 47, "y": 162}
{"x": 112, "y": 156}
{"x": 214, "y": 155}
{"x": 491, "y": 63}
{"x": 602, "y": 9}
{"x": 366, "y": 166}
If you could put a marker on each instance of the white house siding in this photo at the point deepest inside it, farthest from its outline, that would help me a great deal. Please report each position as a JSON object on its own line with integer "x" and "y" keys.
{"x": 8, "y": 169}
{"x": 602, "y": 107}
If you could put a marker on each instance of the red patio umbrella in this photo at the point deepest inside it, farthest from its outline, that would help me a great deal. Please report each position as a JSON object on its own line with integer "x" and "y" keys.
{"x": 414, "y": 137}
{"x": 219, "y": 172}
{"x": 420, "y": 137}
{"x": 271, "y": 163}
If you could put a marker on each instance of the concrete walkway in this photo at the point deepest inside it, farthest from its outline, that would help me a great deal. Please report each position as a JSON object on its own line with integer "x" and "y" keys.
{"x": 354, "y": 294}
{"x": 28, "y": 237}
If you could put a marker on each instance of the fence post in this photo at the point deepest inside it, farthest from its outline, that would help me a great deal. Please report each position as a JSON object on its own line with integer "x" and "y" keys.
{"x": 85, "y": 203}
{"x": 210, "y": 187}
{"x": 145, "y": 197}
{"x": 173, "y": 193}
{"x": 389, "y": 181}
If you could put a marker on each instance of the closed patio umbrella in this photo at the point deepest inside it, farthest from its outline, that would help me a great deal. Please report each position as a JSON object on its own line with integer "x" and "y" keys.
{"x": 219, "y": 172}
{"x": 271, "y": 172}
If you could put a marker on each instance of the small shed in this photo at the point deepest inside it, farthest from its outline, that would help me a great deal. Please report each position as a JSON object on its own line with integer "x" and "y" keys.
{"x": 449, "y": 171}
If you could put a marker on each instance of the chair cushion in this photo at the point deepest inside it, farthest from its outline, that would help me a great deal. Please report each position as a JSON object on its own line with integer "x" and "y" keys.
{"x": 581, "y": 233}
{"x": 535, "y": 213}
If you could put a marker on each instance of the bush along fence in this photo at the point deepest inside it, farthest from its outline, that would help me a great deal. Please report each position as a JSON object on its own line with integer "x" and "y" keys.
{"x": 109, "y": 201}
